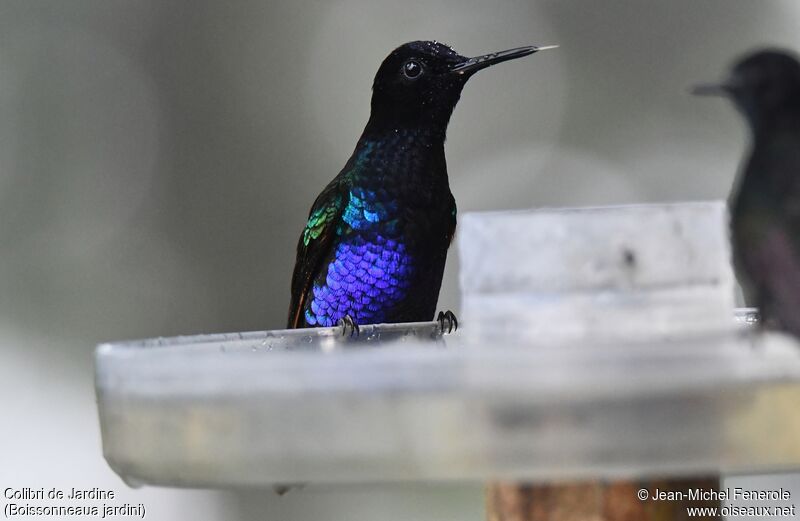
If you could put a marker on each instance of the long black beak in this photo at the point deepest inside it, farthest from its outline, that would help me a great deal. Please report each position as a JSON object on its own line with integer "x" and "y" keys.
{"x": 477, "y": 63}
{"x": 727, "y": 87}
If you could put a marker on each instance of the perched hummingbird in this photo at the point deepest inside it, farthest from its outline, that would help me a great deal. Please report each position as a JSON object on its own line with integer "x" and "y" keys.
{"x": 765, "y": 206}
{"x": 374, "y": 246}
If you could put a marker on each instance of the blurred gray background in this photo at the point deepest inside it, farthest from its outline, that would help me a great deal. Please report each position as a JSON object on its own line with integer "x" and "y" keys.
{"x": 158, "y": 159}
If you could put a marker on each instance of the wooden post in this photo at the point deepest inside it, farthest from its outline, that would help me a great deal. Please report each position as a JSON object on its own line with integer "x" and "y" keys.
{"x": 597, "y": 501}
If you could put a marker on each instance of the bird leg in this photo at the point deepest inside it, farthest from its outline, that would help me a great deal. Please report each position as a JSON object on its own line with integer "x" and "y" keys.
{"x": 347, "y": 323}
{"x": 447, "y": 320}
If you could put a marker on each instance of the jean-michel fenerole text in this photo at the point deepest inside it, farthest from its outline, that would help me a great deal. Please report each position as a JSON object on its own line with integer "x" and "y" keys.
{"x": 725, "y": 494}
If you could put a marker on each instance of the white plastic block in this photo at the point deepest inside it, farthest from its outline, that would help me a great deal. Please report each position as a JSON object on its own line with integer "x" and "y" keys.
{"x": 645, "y": 271}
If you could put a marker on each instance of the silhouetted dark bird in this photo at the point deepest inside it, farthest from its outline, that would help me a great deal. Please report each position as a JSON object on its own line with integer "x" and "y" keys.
{"x": 374, "y": 247}
{"x": 765, "y": 206}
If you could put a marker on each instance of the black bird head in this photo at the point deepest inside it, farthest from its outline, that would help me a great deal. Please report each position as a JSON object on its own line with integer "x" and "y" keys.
{"x": 761, "y": 85}
{"x": 419, "y": 83}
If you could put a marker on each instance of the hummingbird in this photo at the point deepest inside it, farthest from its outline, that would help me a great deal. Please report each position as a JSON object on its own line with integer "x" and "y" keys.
{"x": 375, "y": 243}
{"x": 765, "y": 203}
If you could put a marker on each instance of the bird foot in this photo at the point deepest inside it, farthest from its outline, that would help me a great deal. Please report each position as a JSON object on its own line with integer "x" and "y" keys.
{"x": 348, "y": 324}
{"x": 447, "y": 321}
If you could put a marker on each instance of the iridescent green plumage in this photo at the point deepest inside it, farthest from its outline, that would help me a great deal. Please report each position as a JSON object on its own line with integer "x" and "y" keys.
{"x": 321, "y": 218}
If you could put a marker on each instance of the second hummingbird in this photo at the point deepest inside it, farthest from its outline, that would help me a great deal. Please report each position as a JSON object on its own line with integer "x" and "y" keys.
{"x": 375, "y": 243}
{"x": 765, "y": 205}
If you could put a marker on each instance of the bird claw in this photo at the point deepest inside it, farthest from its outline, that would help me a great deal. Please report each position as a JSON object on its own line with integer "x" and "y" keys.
{"x": 347, "y": 323}
{"x": 447, "y": 320}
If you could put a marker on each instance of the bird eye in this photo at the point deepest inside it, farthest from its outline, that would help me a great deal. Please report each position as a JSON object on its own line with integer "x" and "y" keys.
{"x": 412, "y": 69}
